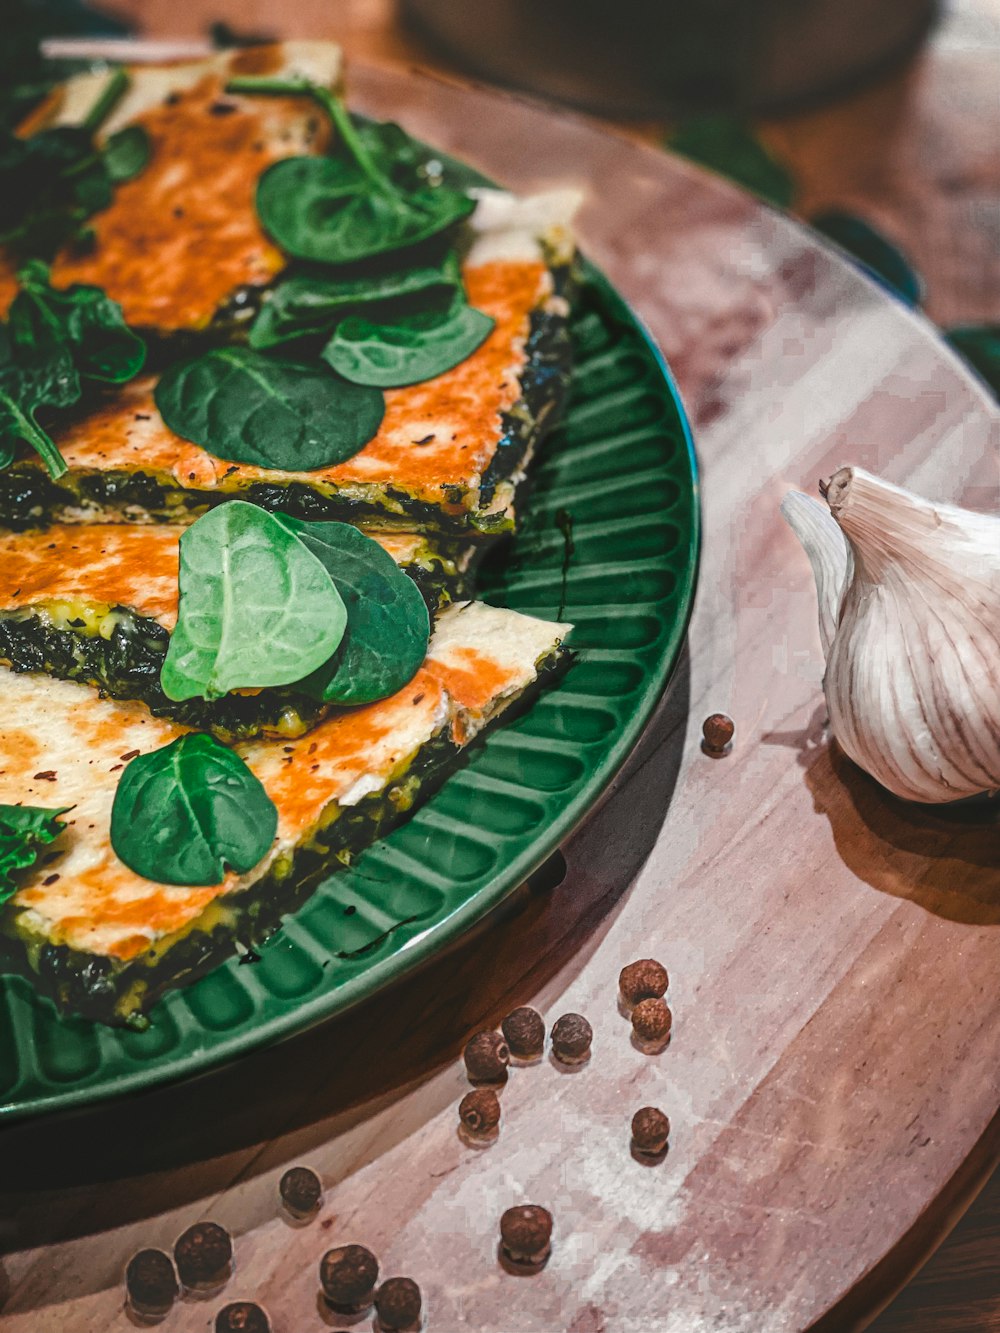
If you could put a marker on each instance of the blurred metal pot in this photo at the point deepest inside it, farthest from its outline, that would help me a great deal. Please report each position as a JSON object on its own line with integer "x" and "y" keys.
{"x": 645, "y": 57}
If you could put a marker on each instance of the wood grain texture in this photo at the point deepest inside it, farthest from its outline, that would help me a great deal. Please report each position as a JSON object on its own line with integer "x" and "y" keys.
{"x": 832, "y": 953}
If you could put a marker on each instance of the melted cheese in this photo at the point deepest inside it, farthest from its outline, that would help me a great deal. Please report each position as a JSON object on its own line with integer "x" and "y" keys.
{"x": 68, "y": 749}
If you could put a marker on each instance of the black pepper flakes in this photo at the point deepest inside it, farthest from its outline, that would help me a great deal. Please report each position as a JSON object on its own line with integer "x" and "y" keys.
{"x": 524, "y": 1029}
{"x": 300, "y": 1191}
{"x": 348, "y": 1275}
{"x": 526, "y": 1236}
{"x": 650, "y": 1131}
{"x": 242, "y": 1317}
{"x": 203, "y": 1254}
{"x": 151, "y": 1284}
{"x": 571, "y": 1039}
{"x": 487, "y": 1056}
{"x": 398, "y": 1303}
{"x": 645, "y": 979}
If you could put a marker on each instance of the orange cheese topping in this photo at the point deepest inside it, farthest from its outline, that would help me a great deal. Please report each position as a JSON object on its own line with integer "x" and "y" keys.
{"x": 460, "y": 411}
{"x": 104, "y": 564}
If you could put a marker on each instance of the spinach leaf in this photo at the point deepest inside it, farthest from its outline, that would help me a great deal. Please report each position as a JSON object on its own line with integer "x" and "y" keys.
{"x": 979, "y": 344}
{"x": 24, "y": 831}
{"x": 256, "y": 608}
{"x": 412, "y": 348}
{"x": 873, "y": 252}
{"x": 246, "y": 407}
{"x": 51, "y": 341}
{"x": 309, "y": 304}
{"x": 185, "y": 813}
{"x": 323, "y": 209}
{"x": 126, "y": 153}
{"x": 51, "y": 182}
{"x": 371, "y": 199}
{"x": 730, "y": 147}
{"x": 84, "y": 319}
{"x": 388, "y": 627}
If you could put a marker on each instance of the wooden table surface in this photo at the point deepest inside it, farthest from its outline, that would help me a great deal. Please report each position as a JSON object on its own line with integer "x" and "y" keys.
{"x": 832, "y": 1081}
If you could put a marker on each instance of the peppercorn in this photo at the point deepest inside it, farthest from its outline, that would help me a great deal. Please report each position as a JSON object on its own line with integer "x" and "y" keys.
{"x": 398, "y": 1303}
{"x": 526, "y": 1234}
{"x": 479, "y": 1111}
{"x": 643, "y": 980}
{"x": 717, "y": 732}
{"x": 348, "y": 1276}
{"x": 525, "y": 1032}
{"x": 571, "y": 1038}
{"x": 651, "y": 1022}
{"x": 242, "y": 1317}
{"x": 203, "y": 1255}
{"x": 300, "y": 1191}
{"x": 487, "y": 1056}
{"x": 151, "y": 1283}
{"x": 650, "y": 1130}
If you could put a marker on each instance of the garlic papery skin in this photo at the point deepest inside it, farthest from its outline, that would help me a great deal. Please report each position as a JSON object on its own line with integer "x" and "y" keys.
{"x": 912, "y": 638}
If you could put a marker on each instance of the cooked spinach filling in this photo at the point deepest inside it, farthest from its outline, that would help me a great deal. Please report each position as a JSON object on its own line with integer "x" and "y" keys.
{"x": 122, "y": 656}
{"x": 29, "y": 498}
{"x": 118, "y": 993}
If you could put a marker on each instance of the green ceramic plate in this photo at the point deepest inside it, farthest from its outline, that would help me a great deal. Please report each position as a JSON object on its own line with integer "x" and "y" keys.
{"x": 619, "y": 479}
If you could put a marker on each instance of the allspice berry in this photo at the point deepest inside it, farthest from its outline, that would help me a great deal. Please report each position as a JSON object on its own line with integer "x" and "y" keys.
{"x": 643, "y": 980}
{"x": 487, "y": 1056}
{"x": 650, "y": 1130}
{"x": 526, "y": 1235}
{"x": 717, "y": 732}
{"x": 651, "y": 1021}
{"x": 479, "y": 1111}
{"x": 398, "y": 1303}
{"x": 151, "y": 1283}
{"x": 571, "y": 1039}
{"x": 348, "y": 1275}
{"x": 300, "y": 1191}
{"x": 524, "y": 1029}
{"x": 242, "y": 1317}
{"x": 203, "y": 1255}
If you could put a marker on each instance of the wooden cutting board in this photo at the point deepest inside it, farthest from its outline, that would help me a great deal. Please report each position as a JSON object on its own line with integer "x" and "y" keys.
{"x": 832, "y": 1079}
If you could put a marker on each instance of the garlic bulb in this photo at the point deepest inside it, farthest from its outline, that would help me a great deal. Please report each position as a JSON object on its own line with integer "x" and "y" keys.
{"x": 909, "y": 595}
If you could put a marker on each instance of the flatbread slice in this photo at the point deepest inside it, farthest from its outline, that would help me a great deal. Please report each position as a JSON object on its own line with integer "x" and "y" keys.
{"x": 102, "y": 941}
{"x": 97, "y": 604}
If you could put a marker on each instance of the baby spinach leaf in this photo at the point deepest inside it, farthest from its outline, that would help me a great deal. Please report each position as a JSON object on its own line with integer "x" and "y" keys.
{"x": 83, "y": 318}
{"x": 272, "y": 412}
{"x": 186, "y": 813}
{"x": 324, "y": 209}
{"x": 309, "y": 304}
{"x": 24, "y": 831}
{"x": 873, "y": 252}
{"x": 53, "y": 339}
{"x": 728, "y": 146}
{"x": 388, "y": 627}
{"x": 370, "y": 199}
{"x": 979, "y": 344}
{"x": 256, "y": 608}
{"x": 412, "y": 348}
{"x": 51, "y": 182}
{"x": 126, "y": 153}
